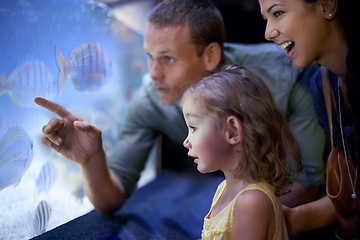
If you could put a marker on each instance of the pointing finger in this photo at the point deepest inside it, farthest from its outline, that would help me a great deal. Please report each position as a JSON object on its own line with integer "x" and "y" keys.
{"x": 51, "y": 106}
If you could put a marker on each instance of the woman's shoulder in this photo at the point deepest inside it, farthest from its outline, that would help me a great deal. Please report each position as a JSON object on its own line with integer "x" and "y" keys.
{"x": 316, "y": 79}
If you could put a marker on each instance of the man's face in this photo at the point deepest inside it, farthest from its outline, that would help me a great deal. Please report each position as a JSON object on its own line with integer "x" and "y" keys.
{"x": 173, "y": 61}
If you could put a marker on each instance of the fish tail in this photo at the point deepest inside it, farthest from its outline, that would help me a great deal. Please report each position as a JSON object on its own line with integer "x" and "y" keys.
{"x": 14, "y": 99}
{"x": 61, "y": 63}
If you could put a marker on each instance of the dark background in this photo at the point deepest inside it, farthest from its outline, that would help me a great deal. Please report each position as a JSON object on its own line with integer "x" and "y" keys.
{"x": 243, "y": 21}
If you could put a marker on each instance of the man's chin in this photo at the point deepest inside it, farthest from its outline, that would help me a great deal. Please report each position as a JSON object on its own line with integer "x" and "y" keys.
{"x": 167, "y": 101}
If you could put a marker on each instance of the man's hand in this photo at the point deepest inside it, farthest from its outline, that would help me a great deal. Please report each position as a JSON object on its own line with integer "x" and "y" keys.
{"x": 71, "y": 136}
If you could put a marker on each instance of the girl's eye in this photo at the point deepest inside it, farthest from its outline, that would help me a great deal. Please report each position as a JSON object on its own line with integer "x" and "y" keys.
{"x": 193, "y": 129}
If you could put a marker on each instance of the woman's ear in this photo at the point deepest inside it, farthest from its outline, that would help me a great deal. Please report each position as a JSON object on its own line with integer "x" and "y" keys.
{"x": 329, "y": 8}
{"x": 212, "y": 56}
{"x": 234, "y": 130}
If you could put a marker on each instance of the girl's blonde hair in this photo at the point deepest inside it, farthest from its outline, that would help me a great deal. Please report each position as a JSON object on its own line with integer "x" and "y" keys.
{"x": 269, "y": 150}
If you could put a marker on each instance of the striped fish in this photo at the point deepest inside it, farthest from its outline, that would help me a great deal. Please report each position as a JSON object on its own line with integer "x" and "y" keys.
{"x": 16, "y": 154}
{"x": 46, "y": 177}
{"x": 29, "y": 80}
{"x": 89, "y": 67}
{"x": 42, "y": 216}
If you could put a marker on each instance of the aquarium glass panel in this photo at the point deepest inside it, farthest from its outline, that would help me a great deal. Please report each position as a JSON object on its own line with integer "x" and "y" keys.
{"x": 78, "y": 54}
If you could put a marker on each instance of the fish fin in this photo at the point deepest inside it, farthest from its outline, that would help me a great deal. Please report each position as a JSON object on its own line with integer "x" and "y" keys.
{"x": 14, "y": 99}
{"x": 61, "y": 82}
{"x": 61, "y": 63}
{"x": 76, "y": 87}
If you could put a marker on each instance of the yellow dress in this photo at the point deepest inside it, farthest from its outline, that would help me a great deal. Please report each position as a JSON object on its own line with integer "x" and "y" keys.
{"x": 220, "y": 226}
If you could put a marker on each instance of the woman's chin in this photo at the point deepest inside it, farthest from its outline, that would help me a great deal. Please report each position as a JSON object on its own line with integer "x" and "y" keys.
{"x": 300, "y": 64}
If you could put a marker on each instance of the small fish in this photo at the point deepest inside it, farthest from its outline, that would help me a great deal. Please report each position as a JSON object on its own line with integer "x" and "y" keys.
{"x": 46, "y": 177}
{"x": 16, "y": 154}
{"x": 29, "y": 80}
{"x": 42, "y": 216}
{"x": 89, "y": 67}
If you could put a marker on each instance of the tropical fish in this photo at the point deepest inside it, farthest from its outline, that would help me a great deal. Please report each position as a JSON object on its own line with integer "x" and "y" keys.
{"x": 29, "y": 80}
{"x": 42, "y": 216}
{"x": 89, "y": 67}
{"x": 16, "y": 154}
{"x": 46, "y": 177}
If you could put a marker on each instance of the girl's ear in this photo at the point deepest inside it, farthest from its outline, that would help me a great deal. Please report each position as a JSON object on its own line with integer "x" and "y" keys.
{"x": 212, "y": 56}
{"x": 234, "y": 130}
{"x": 329, "y": 8}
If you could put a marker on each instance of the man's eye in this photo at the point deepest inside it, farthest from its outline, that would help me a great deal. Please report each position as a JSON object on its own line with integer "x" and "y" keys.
{"x": 169, "y": 59}
{"x": 149, "y": 56}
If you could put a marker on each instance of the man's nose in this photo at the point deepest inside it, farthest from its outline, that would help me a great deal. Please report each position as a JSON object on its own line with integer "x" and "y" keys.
{"x": 156, "y": 71}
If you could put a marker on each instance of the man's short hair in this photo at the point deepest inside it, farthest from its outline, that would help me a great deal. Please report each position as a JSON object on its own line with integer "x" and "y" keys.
{"x": 202, "y": 16}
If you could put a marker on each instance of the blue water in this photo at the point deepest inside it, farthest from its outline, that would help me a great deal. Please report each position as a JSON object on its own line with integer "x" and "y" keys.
{"x": 30, "y": 30}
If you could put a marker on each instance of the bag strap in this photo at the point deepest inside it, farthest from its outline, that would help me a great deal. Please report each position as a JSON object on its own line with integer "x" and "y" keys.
{"x": 327, "y": 89}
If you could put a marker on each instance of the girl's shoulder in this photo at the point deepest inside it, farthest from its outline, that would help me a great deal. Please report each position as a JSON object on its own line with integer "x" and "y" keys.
{"x": 254, "y": 207}
{"x": 256, "y": 193}
{"x": 256, "y": 198}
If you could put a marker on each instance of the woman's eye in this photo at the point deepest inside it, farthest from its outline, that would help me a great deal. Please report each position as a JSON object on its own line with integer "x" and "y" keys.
{"x": 193, "y": 129}
{"x": 278, "y": 13}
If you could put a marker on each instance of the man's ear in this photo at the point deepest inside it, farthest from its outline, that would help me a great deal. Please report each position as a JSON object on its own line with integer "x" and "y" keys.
{"x": 212, "y": 56}
{"x": 234, "y": 130}
{"x": 329, "y": 8}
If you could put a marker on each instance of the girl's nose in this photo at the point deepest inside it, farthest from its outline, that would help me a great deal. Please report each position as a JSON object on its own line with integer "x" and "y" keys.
{"x": 187, "y": 143}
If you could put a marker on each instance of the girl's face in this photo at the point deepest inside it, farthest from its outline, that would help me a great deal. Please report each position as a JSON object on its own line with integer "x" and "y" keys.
{"x": 205, "y": 141}
{"x": 297, "y": 27}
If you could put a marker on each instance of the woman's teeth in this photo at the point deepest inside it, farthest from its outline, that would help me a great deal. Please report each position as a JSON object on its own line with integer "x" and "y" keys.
{"x": 285, "y": 44}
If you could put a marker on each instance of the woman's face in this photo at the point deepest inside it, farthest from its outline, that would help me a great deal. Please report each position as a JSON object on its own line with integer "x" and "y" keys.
{"x": 296, "y": 26}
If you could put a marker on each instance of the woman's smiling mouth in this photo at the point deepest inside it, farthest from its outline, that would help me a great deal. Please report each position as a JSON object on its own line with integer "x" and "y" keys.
{"x": 288, "y": 46}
